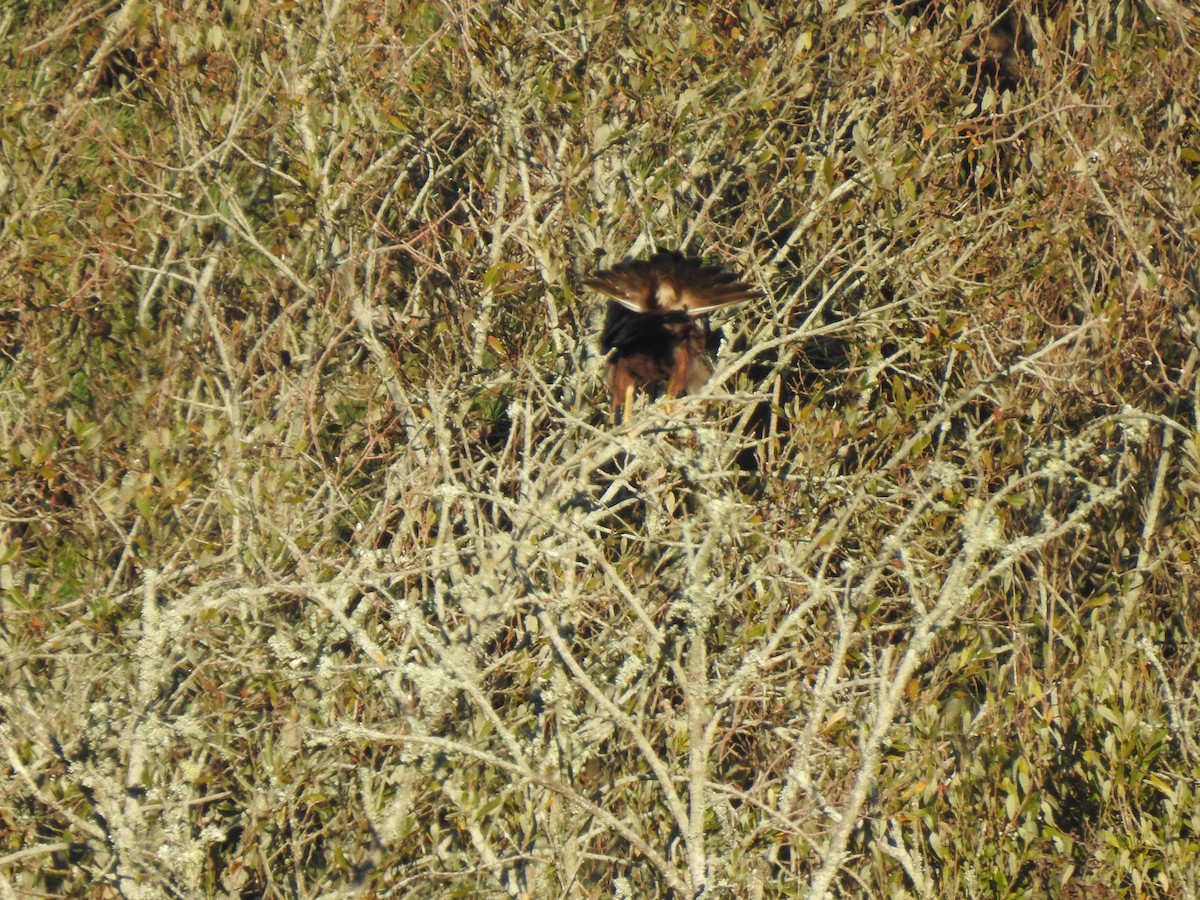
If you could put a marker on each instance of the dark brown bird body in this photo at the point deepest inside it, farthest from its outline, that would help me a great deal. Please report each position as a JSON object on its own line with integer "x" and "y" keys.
{"x": 653, "y": 326}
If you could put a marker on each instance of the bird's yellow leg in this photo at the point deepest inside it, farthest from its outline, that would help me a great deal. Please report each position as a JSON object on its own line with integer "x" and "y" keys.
{"x": 628, "y": 402}
{"x": 678, "y": 379}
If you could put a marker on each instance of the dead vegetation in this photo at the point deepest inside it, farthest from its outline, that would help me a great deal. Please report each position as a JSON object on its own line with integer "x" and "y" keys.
{"x": 322, "y": 567}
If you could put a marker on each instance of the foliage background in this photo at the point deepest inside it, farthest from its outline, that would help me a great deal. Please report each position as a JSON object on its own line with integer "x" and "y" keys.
{"x": 324, "y": 569}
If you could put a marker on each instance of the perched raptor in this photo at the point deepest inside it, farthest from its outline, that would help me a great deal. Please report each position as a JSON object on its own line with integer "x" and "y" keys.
{"x": 653, "y": 323}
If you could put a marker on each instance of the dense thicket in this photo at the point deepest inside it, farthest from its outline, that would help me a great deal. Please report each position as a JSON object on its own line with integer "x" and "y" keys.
{"x": 324, "y": 568}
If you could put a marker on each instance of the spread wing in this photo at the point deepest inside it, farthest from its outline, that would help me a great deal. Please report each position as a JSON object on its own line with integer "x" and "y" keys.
{"x": 669, "y": 282}
{"x": 701, "y": 288}
{"x": 632, "y": 284}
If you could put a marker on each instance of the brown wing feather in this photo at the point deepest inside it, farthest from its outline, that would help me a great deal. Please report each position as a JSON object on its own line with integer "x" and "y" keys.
{"x": 632, "y": 285}
{"x": 702, "y": 288}
{"x": 668, "y": 281}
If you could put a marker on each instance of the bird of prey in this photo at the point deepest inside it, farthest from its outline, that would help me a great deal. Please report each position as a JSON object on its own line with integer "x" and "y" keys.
{"x": 653, "y": 324}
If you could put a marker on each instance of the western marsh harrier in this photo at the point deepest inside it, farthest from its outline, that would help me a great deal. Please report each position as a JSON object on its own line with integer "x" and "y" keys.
{"x": 653, "y": 325}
